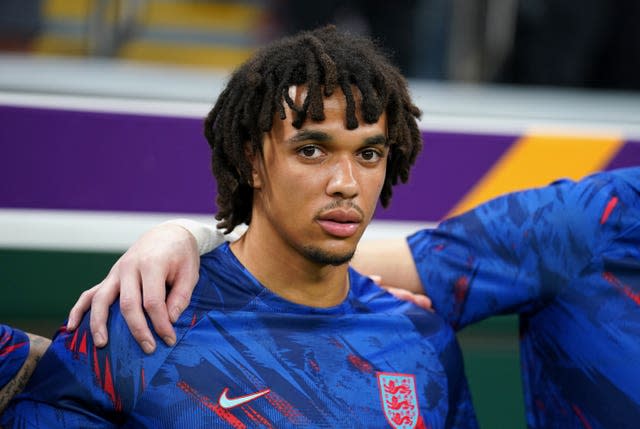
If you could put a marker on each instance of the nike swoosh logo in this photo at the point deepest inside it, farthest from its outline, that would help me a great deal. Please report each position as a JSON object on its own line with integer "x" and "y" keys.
{"x": 226, "y": 402}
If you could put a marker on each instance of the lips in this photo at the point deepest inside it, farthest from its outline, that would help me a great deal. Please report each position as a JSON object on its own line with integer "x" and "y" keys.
{"x": 340, "y": 223}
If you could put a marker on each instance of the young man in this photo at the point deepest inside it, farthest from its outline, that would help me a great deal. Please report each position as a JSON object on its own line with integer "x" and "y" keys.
{"x": 566, "y": 258}
{"x": 280, "y": 332}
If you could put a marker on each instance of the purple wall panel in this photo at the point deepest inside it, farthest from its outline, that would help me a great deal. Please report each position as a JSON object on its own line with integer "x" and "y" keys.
{"x": 436, "y": 184}
{"x": 58, "y": 159}
{"x": 628, "y": 156}
{"x": 61, "y": 159}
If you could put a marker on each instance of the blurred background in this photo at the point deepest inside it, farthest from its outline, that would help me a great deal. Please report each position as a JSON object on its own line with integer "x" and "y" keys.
{"x": 100, "y": 126}
{"x": 585, "y": 44}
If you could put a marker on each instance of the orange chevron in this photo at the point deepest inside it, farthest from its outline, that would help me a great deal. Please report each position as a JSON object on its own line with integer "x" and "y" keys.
{"x": 538, "y": 159}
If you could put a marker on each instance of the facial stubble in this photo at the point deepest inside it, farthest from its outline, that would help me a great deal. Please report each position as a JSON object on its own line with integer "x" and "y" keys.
{"x": 323, "y": 257}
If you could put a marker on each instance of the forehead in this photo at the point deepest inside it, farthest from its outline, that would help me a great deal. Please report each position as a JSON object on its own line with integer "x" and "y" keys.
{"x": 334, "y": 108}
{"x": 336, "y": 101}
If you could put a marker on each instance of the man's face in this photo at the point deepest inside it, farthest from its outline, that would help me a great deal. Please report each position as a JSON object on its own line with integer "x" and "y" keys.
{"x": 316, "y": 187}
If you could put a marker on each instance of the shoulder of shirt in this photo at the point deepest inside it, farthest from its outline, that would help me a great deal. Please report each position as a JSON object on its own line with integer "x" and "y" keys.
{"x": 624, "y": 178}
{"x": 10, "y": 335}
{"x": 223, "y": 284}
{"x": 377, "y": 299}
{"x": 618, "y": 178}
{"x": 371, "y": 298}
{"x": 621, "y": 185}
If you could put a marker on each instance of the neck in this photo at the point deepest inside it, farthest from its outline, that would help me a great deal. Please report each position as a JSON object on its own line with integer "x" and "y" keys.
{"x": 289, "y": 274}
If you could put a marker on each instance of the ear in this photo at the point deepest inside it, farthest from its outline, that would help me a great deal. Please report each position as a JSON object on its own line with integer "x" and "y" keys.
{"x": 256, "y": 167}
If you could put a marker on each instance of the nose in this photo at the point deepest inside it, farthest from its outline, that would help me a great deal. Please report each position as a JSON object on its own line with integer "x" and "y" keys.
{"x": 343, "y": 181}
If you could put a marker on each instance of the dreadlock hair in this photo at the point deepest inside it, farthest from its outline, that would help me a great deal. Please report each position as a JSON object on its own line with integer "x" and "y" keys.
{"x": 323, "y": 59}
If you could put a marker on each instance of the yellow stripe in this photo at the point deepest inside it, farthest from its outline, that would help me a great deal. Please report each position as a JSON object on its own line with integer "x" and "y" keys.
{"x": 202, "y": 15}
{"x": 56, "y": 45}
{"x": 170, "y": 14}
{"x": 537, "y": 160}
{"x": 220, "y": 57}
{"x": 67, "y": 9}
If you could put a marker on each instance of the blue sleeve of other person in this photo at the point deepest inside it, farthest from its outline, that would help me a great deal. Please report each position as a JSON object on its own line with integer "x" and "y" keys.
{"x": 14, "y": 348}
{"x": 78, "y": 385}
{"x": 514, "y": 253}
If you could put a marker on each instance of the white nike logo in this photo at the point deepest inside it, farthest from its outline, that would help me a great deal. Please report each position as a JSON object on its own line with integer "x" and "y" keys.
{"x": 226, "y": 402}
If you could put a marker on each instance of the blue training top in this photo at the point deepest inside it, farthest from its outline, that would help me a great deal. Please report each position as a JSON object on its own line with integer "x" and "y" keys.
{"x": 14, "y": 349}
{"x": 567, "y": 259}
{"x": 245, "y": 357}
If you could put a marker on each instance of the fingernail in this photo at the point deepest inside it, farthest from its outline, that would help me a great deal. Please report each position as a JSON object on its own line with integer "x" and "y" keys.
{"x": 175, "y": 313}
{"x": 169, "y": 340}
{"x": 71, "y": 324}
{"x": 98, "y": 339}
{"x": 147, "y": 347}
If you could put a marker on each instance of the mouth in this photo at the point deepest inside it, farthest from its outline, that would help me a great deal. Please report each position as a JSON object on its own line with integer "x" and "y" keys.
{"x": 340, "y": 223}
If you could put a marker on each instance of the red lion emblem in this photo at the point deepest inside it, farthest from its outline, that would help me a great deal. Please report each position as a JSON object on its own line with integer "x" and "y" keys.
{"x": 399, "y": 399}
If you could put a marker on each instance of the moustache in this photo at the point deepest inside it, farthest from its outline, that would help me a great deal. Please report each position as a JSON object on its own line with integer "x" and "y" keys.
{"x": 341, "y": 204}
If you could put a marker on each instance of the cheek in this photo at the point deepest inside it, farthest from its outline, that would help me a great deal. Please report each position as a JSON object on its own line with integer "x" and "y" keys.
{"x": 375, "y": 183}
{"x": 294, "y": 187}
{"x": 381, "y": 178}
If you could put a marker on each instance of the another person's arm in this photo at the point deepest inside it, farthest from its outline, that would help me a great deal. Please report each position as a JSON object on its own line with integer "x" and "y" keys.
{"x": 516, "y": 253}
{"x": 391, "y": 260}
{"x": 19, "y": 355}
{"x": 168, "y": 254}
{"x": 76, "y": 384}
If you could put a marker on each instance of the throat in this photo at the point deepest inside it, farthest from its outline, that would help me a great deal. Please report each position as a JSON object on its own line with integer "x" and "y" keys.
{"x": 320, "y": 281}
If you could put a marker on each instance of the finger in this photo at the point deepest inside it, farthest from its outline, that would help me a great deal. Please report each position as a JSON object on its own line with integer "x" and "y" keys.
{"x": 81, "y": 306}
{"x": 424, "y": 302}
{"x": 153, "y": 298}
{"x": 131, "y": 308}
{"x": 181, "y": 290}
{"x": 421, "y": 301}
{"x": 376, "y": 279}
{"x": 399, "y": 293}
{"x": 106, "y": 294}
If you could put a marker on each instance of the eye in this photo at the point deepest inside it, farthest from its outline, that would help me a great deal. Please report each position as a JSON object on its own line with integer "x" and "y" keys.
{"x": 370, "y": 155}
{"x": 310, "y": 152}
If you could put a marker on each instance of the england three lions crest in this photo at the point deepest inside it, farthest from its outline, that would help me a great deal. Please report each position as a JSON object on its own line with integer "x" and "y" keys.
{"x": 399, "y": 399}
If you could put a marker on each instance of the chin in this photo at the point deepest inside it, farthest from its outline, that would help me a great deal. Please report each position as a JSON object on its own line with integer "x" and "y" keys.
{"x": 324, "y": 257}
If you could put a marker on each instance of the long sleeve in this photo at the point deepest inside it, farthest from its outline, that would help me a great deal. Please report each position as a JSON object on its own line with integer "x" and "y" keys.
{"x": 516, "y": 253}
{"x": 14, "y": 348}
{"x": 77, "y": 385}
{"x": 207, "y": 236}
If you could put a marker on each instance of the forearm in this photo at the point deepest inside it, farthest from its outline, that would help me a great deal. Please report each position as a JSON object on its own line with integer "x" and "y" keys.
{"x": 390, "y": 259}
{"x": 207, "y": 236}
{"x": 37, "y": 346}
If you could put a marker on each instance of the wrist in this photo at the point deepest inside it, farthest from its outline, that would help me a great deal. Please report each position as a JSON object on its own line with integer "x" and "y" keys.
{"x": 206, "y": 236}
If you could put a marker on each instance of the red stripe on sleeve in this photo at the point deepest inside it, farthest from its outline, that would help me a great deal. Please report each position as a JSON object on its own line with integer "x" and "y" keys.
{"x": 607, "y": 210}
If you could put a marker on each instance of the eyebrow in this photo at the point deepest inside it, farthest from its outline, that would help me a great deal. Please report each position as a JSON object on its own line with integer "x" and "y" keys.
{"x": 305, "y": 135}
{"x": 379, "y": 140}
{"x": 319, "y": 136}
